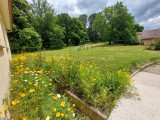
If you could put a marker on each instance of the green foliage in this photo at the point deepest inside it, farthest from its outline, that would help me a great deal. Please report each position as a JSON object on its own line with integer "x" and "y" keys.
{"x": 154, "y": 45}
{"x": 138, "y": 27}
{"x": 74, "y": 29}
{"x": 83, "y": 19}
{"x": 93, "y": 36}
{"x": 32, "y": 89}
{"x": 98, "y": 87}
{"x": 30, "y": 40}
{"x": 157, "y": 46}
{"x": 23, "y": 34}
{"x": 54, "y": 34}
{"x": 115, "y": 24}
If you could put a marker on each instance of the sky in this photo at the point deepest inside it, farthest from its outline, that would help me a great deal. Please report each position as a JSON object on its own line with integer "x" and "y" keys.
{"x": 146, "y": 12}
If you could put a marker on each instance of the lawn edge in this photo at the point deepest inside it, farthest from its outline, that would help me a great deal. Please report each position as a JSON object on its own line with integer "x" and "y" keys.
{"x": 142, "y": 68}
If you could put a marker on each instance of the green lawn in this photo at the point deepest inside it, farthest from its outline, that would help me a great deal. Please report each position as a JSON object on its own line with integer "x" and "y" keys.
{"x": 115, "y": 56}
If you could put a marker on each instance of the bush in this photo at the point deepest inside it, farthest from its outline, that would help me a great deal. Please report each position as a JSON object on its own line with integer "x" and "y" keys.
{"x": 154, "y": 45}
{"x": 28, "y": 40}
{"x": 157, "y": 45}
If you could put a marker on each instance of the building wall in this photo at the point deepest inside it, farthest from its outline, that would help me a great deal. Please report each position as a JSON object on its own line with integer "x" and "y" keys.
{"x": 148, "y": 42}
{"x": 5, "y": 57}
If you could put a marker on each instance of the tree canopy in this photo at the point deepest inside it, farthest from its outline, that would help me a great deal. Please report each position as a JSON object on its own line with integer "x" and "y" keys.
{"x": 115, "y": 24}
{"x": 74, "y": 29}
{"x": 24, "y": 35}
{"x": 36, "y": 26}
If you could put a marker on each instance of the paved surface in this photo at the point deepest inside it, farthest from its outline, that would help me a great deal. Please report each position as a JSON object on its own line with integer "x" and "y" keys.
{"x": 146, "y": 106}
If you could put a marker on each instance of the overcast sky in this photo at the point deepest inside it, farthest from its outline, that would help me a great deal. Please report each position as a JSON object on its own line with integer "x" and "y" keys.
{"x": 146, "y": 12}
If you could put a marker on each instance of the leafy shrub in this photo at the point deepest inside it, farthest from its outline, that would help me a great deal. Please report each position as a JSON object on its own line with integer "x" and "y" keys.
{"x": 154, "y": 45}
{"x": 157, "y": 45}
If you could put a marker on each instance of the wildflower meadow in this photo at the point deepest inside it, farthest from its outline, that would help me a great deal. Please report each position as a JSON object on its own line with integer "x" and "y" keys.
{"x": 38, "y": 83}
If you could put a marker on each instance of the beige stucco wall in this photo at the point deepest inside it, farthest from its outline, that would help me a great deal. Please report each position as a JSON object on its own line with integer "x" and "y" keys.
{"x": 148, "y": 42}
{"x": 5, "y": 57}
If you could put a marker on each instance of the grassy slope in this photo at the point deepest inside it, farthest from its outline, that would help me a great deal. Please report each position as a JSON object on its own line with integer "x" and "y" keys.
{"x": 115, "y": 56}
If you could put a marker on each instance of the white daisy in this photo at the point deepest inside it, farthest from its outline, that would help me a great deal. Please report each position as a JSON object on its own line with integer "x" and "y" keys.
{"x": 58, "y": 95}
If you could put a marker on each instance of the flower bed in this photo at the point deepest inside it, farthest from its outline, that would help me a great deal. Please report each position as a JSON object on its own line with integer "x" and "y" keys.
{"x": 33, "y": 92}
{"x": 36, "y": 80}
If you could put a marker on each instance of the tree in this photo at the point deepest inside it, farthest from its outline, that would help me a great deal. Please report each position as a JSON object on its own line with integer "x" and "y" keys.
{"x": 115, "y": 24}
{"x": 138, "y": 27}
{"x": 78, "y": 33}
{"x": 83, "y": 18}
{"x": 23, "y": 34}
{"x": 74, "y": 29}
{"x": 43, "y": 16}
{"x": 91, "y": 18}
{"x": 53, "y": 33}
{"x": 64, "y": 20}
{"x": 93, "y": 36}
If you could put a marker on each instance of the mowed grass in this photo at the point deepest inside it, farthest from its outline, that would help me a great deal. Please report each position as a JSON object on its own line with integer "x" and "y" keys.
{"x": 114, "y": 56}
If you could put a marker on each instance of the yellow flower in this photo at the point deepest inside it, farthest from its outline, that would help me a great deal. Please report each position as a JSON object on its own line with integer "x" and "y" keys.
{"x": 15, "y": 80}
{"x": 50, "y": 83}
{"x": 62, "y": 114}
{"x": 66, "y": 115}
{"x": 25, "y": 118}
{"x": 94, "y": 79}
{"x": 74, "y": 105}
{"x": 58, "y": 114}
{"x": 15, "y": 102}
{"x": 40, "y": 79}
{"x": 46, "y": 85}
{"x": 50, "y": 94}
{"x": 22, "y": 95}
{"x": 27, "y": 69}
{"x": 35, "y": 85}
{"x": 55, "y": 98}
{"x": 24, "y": 88}
{"x": 63, "y": 104}
{"x": 53, "y": 71}
{"x": 127, "y": 75}
{"x": 11, "y": 89}
{"x": 32, "y": 90}
{"x": 0, "y": 113}
{"x": 54, "y": 109}
{"x": 69, "y": 109}
{"x": 30, "y": 83}
{"x": 72, "y": 111}
{"x": 101, "y": 75}
{"x": 5, "y": 107}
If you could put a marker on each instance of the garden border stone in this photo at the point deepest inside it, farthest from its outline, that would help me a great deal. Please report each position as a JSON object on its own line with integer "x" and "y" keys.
{"x": 89, "y": 111}
{"x": 142, "y": 68}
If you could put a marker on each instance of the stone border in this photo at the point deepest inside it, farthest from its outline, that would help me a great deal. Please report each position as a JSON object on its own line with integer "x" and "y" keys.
{"x": 142, "y": 68}
{"x": 92, "y": 113}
